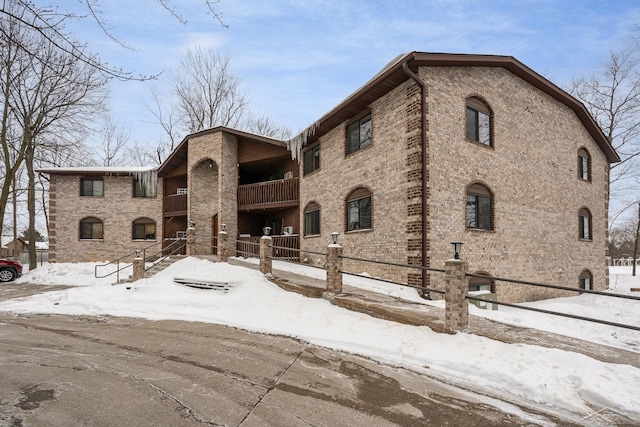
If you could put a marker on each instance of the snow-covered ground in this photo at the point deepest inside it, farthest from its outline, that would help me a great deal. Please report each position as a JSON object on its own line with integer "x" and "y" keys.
{"x": 562, "y": 381}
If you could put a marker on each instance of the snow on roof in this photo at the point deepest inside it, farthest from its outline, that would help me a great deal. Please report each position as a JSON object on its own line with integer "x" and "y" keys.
{"x": 98, "y": 169}
{"x": 5, "y": 240}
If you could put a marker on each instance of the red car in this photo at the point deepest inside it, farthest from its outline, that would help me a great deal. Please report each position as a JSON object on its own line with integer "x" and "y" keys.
{"x": 9, "y": 270}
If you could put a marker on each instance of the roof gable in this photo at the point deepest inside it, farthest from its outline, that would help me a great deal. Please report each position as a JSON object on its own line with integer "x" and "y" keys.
{"x": 393, "y": 75}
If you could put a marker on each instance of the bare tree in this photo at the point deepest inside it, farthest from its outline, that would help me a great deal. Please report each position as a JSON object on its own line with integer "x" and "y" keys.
{"x": 166, "y": 117}
{"x": 265, "y": 126}
{"x": 113, "y": 143}
{"x": 636, "y": 242}
{"x": 207, "y": 92}
{"x": 49, "y": 22}
{"x": 50, "y": 95}
{"x": 612, "y": 96}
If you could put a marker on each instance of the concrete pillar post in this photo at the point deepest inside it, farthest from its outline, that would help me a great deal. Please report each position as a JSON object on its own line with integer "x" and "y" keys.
{"x": 266, "y": 252}
{"x": 456, "y": 288}
{"x": 334, "y": 268}
{"x": 138, "y": 267}
{"x": 191, "y": 241}
{"x": 223, "y": 253}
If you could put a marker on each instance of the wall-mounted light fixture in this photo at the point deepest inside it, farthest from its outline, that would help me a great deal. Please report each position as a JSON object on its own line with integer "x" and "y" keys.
{"x": 334, "y": 237}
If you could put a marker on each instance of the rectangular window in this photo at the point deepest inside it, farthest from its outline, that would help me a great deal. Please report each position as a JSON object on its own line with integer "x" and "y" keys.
{"x": 91, "y": 230}
{"x": 91, "y": 187}
{"x": 359, "y": 214}
{"x": 583, "y": 165}
{"x": 585, "y": 227}
{"x": 312, "y": 159}
{"x": 478, "y": 211}
{"x": 143, "y": 189}
{"x": 312, "y": 223}
{"x": 478, "y": 126}
{"x": 585, "y": 283}
{"x": 142, "y": 231}
{"x": 359, "y": 134}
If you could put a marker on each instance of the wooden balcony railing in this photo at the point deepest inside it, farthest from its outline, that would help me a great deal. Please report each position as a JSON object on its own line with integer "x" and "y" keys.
{"x": 175, "y": 204}
{"x": 270, "y": 194}
{"x": 249, "y": 246}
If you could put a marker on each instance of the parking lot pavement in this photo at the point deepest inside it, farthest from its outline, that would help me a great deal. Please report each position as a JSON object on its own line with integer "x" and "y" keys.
{"x": 107, "y": 371}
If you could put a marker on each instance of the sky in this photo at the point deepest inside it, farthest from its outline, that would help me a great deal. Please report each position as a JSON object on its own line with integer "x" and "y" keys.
{"x": 299, "y": 58}
{"x": 562, "y": 382}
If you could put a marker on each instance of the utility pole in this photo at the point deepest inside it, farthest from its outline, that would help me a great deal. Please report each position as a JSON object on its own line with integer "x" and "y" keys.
{"x": 635, "y": 245}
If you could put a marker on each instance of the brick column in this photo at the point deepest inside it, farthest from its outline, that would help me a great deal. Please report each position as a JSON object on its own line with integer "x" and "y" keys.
{"x": 334, "y": 268}
{"x": 223, "y": 253}
{"x": 266, "y": 251}
{"x": 456, "y": 317}
{"x": 191, "y": 241}
{"x": 138, "y": 267}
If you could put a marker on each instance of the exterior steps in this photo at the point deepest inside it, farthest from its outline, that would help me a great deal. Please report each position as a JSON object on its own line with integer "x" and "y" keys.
{"x": 157, "y": 268}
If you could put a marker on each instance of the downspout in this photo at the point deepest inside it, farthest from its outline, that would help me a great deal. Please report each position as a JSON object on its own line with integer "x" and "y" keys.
{"x": 425, "y": 181}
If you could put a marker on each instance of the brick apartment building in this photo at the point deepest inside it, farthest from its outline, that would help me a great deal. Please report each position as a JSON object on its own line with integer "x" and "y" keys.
{"x": 514, "y": 167}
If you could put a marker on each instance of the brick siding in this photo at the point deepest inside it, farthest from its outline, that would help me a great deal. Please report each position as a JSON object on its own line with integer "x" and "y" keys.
{"x": 117, "y": 210}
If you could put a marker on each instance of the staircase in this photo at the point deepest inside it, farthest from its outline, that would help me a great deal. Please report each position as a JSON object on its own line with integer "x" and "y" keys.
{"x": 157, "y": 268}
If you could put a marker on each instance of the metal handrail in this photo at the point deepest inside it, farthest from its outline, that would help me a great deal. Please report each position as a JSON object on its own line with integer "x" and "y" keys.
{"x": 117, "y": 262}
{"x": 159, "y": 260}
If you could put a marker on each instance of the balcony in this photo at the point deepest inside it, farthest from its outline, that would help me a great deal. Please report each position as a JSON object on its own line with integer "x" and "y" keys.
{"x": 280, "y": 193}
{"x": 175, "y": 205}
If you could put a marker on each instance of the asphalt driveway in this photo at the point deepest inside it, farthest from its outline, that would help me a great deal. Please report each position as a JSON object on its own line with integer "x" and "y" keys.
{"x": 107, "y": 371}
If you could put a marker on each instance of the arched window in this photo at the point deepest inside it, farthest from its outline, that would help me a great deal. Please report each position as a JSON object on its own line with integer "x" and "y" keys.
{"x": 584, "y": 224}
{"x": 479, "y": 120}
{"x": 358, "y": 210}
{"x": 312, "y": 219}
{"x": 91, "y": 229}
{"x": 584, "y": 165}
{"x": 144, "y": 229}
{"x": 479, "y": 212}
{"x": 586, "y": 280}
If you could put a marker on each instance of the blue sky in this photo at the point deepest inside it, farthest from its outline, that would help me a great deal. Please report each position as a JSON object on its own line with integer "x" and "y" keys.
{"x": 299, "y": 58}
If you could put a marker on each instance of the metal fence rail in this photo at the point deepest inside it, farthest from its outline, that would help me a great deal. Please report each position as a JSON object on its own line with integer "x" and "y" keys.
{"x": 556, "y": 313}
{"x": 417, "y": 267}
{"x": 545, "y": 285}
{"x": 438, "y": 291}
{"x": 295, "y": 260}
